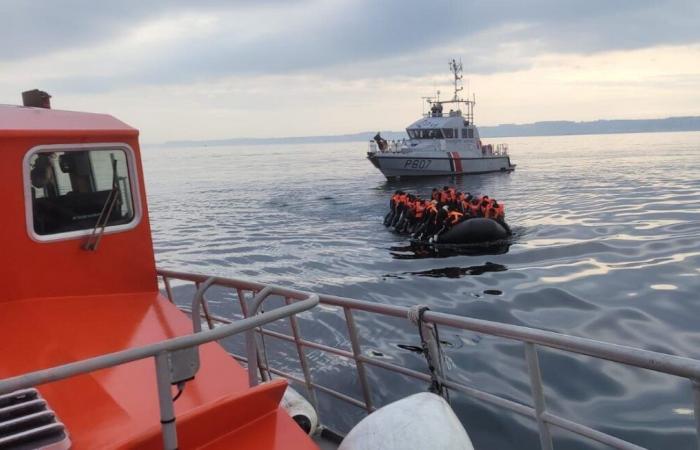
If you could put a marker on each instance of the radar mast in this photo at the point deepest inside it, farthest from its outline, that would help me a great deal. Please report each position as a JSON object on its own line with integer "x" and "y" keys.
{"x": 456, "y": 69}
{"x": 436, "y": 104}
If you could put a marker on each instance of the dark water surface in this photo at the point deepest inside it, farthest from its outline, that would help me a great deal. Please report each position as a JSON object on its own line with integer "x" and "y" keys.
{"x": 607, "y": 247}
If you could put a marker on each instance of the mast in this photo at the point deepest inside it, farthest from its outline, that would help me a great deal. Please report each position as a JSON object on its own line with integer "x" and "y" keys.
{"x": 435, "y": 102}
{"x": 456, "y": 69}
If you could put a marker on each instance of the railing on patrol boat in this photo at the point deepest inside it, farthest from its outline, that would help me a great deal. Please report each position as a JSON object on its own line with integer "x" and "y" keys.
{"x": 532, "y": 339}
{"x": 498, "y": 150}
{"x": 438, "y": 145}
{"x": 393, "y": 146}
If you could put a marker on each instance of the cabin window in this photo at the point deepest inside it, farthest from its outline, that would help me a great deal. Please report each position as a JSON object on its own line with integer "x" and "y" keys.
{"x": 426, "y": 133}
{"x": 448, "y": 133}
{"x": 74, "y": 189}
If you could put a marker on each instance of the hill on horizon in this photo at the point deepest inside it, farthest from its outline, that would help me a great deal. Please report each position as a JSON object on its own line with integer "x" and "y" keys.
{"x": 544, "y": 128}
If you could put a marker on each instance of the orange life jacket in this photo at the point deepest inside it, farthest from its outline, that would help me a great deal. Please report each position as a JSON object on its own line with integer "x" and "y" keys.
{"x": 485, "y": 202}
{"x": 499, "y": 211}
{"x": 490, "y": 211}
{"x": 453, "y": 217}
{"x": 475, "y": 206}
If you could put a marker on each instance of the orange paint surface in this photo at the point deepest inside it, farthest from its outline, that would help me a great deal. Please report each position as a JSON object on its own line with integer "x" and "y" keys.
{"x": 59, "y": 304}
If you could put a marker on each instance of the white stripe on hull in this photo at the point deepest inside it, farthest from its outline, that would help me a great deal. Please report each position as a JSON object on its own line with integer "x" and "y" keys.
{"x": 405, "y": 166}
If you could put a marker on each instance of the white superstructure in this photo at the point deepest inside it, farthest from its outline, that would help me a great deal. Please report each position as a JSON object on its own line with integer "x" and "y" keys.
{"x": 441, "y": 142}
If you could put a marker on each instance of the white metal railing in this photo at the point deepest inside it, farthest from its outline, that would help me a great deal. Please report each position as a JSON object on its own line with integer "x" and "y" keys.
{"x": 393, "y": 146}
{"x": 164, "y": 353}
{"x": 498, "y": 150}
{"x": 530, "y": 338}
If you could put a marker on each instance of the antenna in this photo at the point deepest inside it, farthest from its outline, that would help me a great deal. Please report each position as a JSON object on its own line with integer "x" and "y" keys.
{"x": 456, "y": 69}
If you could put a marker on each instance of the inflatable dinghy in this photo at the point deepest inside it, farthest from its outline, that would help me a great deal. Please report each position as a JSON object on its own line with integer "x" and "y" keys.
{"x": 474, "y": 231}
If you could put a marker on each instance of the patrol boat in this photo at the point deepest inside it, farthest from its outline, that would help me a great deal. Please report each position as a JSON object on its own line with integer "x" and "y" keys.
{"x": 441, "y": 143}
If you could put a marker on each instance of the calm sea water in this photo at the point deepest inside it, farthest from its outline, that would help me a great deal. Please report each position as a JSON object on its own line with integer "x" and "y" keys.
{"x": 607, "y": 247}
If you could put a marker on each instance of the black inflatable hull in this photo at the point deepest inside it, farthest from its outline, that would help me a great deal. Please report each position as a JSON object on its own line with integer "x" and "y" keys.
{"x": 474, "y": 231}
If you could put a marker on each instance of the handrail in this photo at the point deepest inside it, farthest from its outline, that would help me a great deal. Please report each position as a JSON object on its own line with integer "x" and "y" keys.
{"x": 659, "y": 362}
{"x": 531, "y": 338}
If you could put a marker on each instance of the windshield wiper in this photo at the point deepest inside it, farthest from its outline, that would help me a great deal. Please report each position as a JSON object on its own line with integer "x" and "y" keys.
{"x": 94, "y": 239}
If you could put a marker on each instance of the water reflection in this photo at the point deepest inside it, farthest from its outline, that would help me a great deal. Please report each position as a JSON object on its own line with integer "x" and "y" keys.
{"x": 419, "y": 250}
{"x": 457, "y": 272}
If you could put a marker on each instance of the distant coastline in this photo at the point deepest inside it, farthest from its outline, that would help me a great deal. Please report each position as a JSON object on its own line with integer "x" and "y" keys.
{"x": 548, "y": 128}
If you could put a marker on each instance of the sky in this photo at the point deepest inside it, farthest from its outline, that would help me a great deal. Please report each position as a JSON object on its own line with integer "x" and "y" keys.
{"x": 216, "y": 69}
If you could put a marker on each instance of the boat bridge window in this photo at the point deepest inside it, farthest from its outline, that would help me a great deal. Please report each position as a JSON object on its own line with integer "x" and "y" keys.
{"x": 71, "y": 189}
{"x": 448, "y": 133}
{"x": 426, "y": 133}
{"x": 467, "y": 133}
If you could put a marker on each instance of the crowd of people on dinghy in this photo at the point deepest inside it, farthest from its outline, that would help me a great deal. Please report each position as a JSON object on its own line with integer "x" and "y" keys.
{"x": 427, "y": 220}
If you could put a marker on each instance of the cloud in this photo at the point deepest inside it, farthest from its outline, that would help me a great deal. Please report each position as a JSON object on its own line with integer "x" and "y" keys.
{"x": 210, "y": 69}
{"x": 180, "y": 41}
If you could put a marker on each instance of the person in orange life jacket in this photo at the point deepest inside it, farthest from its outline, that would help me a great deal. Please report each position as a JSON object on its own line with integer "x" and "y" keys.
{"x": 416, "y": 215}
{"x": 495, "y": 210}
{"x": 405, "y": 212}
{"x": 475, "y": 206}
{"x": 451, "y": 218}
{"x": 440, "y": 221}
{"x": 420, "y": 209}
{"x": 444, "y": 196}
{"x": 452, "y": 193}
{"x": 430, "y": 221}
{"x": 400, "y": 208}
{"x": 498, "y": 210}
{"x": 485, "y": 202}
{"x": 463, "y": 203}
{"x": 392, "y": 209}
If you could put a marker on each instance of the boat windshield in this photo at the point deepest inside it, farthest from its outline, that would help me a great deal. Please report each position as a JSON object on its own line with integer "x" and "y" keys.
{"x": 70, "y": 188}
{"x": 426, "y": 133}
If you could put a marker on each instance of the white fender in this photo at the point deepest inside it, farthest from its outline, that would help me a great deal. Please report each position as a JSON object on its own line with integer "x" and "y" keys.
{"x": 300, "y": 409}
{"x": 418, "y": 422}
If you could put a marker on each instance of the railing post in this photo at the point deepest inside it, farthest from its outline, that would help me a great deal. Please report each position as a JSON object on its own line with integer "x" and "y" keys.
{"x": 696, "y": 410}
{"x": 168, "y": 289}
{"x": 165, "y": 400}
{"x": 250, "y": 342}
{"x": 205, "y": 306}
{"x": 252, "y": 354}
{"x": 302, "y": 357}
{"x": 533, "y": 368}
{"x": 357, "y": 352}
